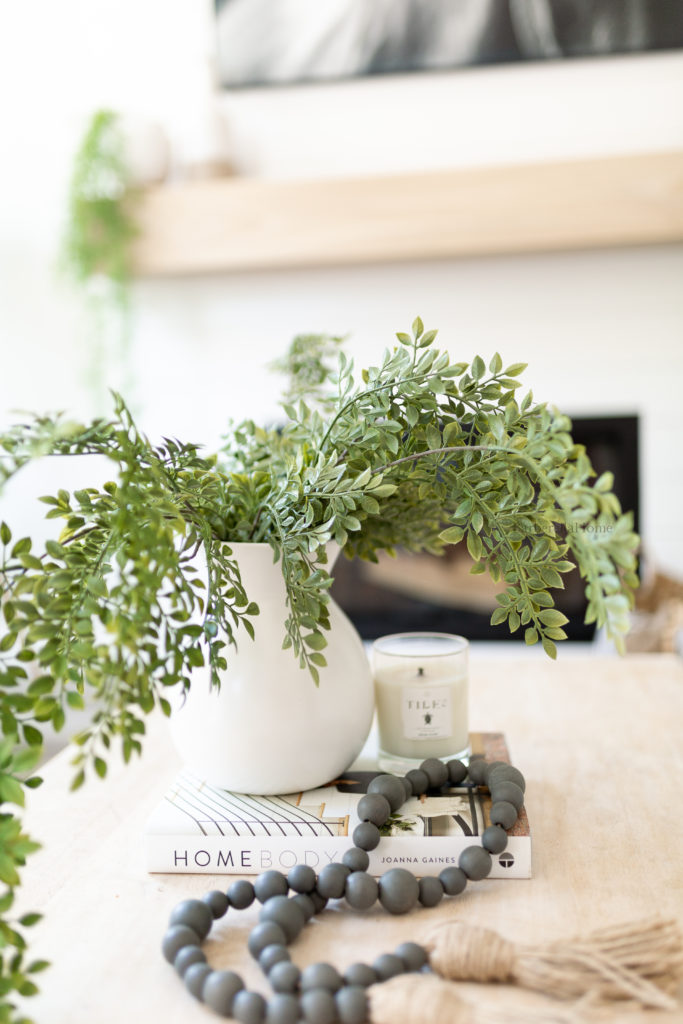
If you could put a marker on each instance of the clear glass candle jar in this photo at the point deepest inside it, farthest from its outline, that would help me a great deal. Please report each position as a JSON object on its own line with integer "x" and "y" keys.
{"x": 421, "y": 693}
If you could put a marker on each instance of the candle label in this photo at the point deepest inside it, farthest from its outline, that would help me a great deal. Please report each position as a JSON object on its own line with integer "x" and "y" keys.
{"x": 426, "y": 712}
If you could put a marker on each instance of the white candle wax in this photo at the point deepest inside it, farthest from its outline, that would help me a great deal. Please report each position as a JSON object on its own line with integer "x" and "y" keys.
{"x": 421, "y": 692}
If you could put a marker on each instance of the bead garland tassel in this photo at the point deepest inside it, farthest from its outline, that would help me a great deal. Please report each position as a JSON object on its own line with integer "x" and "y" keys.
{"x": 640, "y": 963}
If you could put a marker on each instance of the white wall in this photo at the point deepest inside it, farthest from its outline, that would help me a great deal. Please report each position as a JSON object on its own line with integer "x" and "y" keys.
{"x": 600, "y": 330}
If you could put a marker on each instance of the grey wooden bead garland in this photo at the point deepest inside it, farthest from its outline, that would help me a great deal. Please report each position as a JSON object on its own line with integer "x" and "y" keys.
{"x": 319, "y": 994}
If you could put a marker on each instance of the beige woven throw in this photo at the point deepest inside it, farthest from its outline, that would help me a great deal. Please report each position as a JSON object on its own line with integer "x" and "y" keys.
{"x": 641, "y": 962}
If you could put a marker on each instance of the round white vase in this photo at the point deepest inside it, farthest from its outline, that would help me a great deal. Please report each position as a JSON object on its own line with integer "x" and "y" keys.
{"x": 269, "y": 729}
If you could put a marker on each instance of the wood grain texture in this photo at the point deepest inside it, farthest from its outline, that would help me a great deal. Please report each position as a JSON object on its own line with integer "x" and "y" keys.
{"x": 249, "y": 224}
{"x": 599, "y": 741}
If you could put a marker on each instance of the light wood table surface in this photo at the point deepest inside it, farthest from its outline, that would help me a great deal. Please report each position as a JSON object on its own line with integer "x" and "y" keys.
{"x": 599, "y": 741}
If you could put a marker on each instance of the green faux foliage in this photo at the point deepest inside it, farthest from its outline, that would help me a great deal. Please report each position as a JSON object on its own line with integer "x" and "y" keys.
{"x": 97, "y": 248}
{"x": 100, "y": 224}
{"x": 420, "y": 453}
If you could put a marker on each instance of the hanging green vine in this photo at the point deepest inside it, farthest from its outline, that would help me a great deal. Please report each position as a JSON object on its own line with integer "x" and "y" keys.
{"x": 100, "y": 223}
{"x": 97, "y": 248}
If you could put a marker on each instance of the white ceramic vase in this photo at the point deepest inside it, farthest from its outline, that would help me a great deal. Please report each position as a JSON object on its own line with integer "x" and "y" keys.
{"x": 269, "y": 729}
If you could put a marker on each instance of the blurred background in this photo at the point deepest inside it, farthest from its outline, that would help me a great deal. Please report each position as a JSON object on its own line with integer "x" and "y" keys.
{"x": 261, "y": 94}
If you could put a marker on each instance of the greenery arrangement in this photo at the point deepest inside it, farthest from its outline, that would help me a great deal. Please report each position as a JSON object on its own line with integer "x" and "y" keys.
{"x": 419, "y": 453}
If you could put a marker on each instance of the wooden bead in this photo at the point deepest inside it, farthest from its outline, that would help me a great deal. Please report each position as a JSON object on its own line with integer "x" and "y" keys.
{"x": 175, "y": 938}
{"x": 419, "y": 781}
{"x": 366, "y": 836}
{"x": 267, "y": 933}
{"x": 241, "y": 894}
{"x": 431, "y": 891}
{"x": 509, "y": 791}
{"x": 388, "y": 965}
{"x": 270, "y": 883}
{"x": 360, "y": 974}
{"x": 356, "y": 859}
{"x": 374, "y": 807}
{"x": 494, "y": 839}
{"x": 453, "y": 880}
{"x": 196, "y": 914}
{"x": 321, "y": 976}
{"x": 286, "y": 913}
{"x": 412, "y": 954}
{"x": 332, "y": 880}
{"x": 282, "y": 1009}
{"x": 457, "y": 771}
{"x": 390, "y": 787}
{"x": 301, "y": 878}
{"x": 398, "y": 891}
{"x": 249, "y": 1008}
{"x": 475, "y": 862}
{"x": 503, "y": 813}
{"x": 195, "y": 977}
{"x": 187, "y": 956}
{"x": 220, "y": 989}
{"x": 436, "y": 771}
{"x": 352, "y": 1005}
{"x": 361, "y": 890}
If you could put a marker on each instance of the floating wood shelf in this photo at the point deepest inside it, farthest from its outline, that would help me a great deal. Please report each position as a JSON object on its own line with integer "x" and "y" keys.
{"x": 249, "y": 224}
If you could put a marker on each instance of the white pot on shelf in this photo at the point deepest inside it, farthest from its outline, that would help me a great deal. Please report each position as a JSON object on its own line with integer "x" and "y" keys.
{"x": 270, "y": 729}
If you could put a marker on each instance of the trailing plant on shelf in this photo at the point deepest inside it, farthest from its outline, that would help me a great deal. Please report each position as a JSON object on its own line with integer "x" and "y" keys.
{"x": 420, "y": 453}
{"x": 100, "y": 228}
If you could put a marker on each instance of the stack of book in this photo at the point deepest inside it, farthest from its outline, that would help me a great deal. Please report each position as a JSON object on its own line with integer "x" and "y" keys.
{"x": 200, "y": 828}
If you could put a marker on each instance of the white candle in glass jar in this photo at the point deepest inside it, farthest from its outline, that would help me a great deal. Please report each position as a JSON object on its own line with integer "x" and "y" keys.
{"x": 421, "y": 692}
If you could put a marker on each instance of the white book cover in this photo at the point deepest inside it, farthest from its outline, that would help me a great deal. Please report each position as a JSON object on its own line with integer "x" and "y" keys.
{"x": 200, "y": 828}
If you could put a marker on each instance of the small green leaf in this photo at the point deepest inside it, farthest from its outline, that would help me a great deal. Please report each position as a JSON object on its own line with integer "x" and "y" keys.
{"x": 316, "y": 641}
{"x": 549, "y": 648}
{"x": 478, "y": 367}
{"x": 11, "y": 791}
{"x": 37, "y": 965}
{"x": 452, "y": 535}
{"x": 515, "y": 369}
{"x": 21, "y": 547}
{"x": 552, "y": 617}
{"x": 474, "y": 545}
{"x": 54, "y": 549}
{"x": 8, "y": 872}
{"x": 427, "y": 339}
{"x": 28, "y": 920}
{"x": 26, "y": 760}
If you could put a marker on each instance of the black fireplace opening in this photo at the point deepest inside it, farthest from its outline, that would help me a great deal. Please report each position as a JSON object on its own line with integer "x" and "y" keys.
{"x": 429, "y": 593}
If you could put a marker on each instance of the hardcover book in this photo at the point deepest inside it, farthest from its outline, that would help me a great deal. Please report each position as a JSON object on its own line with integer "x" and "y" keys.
{"x": 199, "y": 828}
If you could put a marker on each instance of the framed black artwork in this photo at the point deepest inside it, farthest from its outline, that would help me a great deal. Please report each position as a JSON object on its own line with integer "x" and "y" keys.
{"x": 269, "y": 42}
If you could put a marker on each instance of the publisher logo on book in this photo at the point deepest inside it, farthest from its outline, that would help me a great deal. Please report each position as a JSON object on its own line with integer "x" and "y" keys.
{"x": 506, "y": 860}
